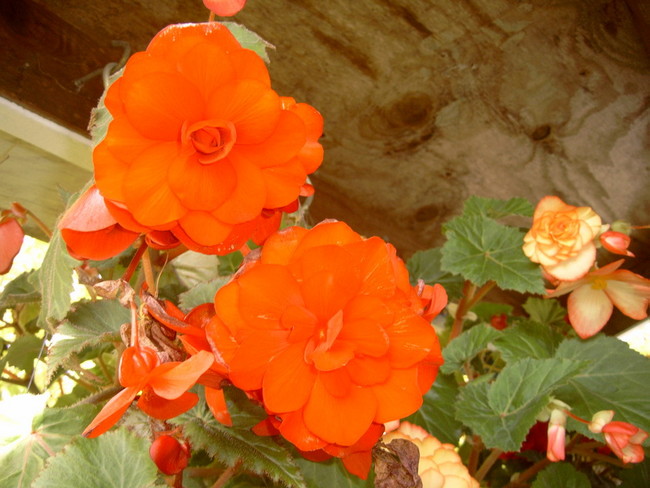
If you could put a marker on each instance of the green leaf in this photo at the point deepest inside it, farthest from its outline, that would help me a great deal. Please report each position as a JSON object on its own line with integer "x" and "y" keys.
{"x": 616, "y": 378}
{"x": 201, "y": 293}
{"x": 436, "y": 415}
{"x": 330, "y": 473}
{"x": 561, "y": 474}
{"x": 496, "y": 209}
{"x": 527, "y": 339}
{"x": 425, "y": 266}
{"x": 250, "y": 40}
{"x": 117, "y": 459}
{"x": 19, "y": 291}
{"x": 486, "y": 310}
{"x": 230, "y": 263}
{"x": 260, "y": 455}
{"x": 22, "y": 353}
{"x": 545, "y": 311}
{"x": 636, "y": 475}
{"x": 482, "y": 250}
{"x": 54, "y": 280}
{"x": 503, "y": 412}
{"x": 91, "y": 324}
{"x": 32, "y": 437}
{"x": 466, "y": 346}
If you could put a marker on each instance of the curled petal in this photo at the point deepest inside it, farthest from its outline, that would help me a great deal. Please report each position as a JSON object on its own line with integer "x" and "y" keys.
{"x": 171, "y": 380}
{"x": 111, "y": 413}
{"x": 161, "y": 408}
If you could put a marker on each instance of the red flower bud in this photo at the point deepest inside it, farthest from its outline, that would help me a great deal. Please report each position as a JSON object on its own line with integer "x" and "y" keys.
{"x": 11, "y": 240}
{"x": 170, "y": 456}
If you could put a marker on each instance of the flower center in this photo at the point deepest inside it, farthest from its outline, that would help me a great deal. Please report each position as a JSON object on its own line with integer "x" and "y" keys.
{"x": 211, "y": 139}
{"x": 599, "y": 284}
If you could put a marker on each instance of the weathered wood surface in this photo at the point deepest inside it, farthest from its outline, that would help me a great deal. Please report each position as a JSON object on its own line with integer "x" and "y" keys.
{"x": 428, "y": 101}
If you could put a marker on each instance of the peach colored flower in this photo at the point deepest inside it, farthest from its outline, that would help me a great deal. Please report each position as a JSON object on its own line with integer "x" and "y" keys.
{"x": 325, "y": 325}
{"x": 594, "y": 296}
{"x": 561, "y": 238}
{"x": 200, "y": 145}
{"x": 440, "y": 465}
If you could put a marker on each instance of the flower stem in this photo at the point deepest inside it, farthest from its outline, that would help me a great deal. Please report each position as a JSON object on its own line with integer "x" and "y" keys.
{"x": 134, "y": 262}
{"x": 148, "y": 272}
{"x": 488, "y": 463}
{"x": 226, "y": 475}
{"x": 529, "y": 473}
{"x": 46, "y": 230}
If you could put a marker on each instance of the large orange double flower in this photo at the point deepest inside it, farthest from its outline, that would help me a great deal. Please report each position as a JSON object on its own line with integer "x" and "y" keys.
{"x": 326, "y": 325}
{"x": 200, "y": 145}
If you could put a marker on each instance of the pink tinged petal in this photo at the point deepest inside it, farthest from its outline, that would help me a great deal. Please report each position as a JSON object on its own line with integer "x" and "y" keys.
{"x": 630, "y": 293}
{"x": 251, "y": 105}
{"x": 251, "y": 361}
{"x": 146, "y": 191}
{"x": 288, "y": 380}
{"x": 576, "y": 267}
{"x": 265, "y": 291}
{"x": 207, "y": 66}
{"x": 172, "y": 382}
{"x": 111, "y": 413}
{"x": 217, "y": 403}
{"x": 589, "y": 310}
{"x": 199, "y": 186}
{"x": 339, "y": 420}
{"x": 616, "y": 242}
{"x": 247, "y": 199}
{"x": 399, "y": 396}
{"x": 158, "y": 104}
{"x": 161, "y": 408}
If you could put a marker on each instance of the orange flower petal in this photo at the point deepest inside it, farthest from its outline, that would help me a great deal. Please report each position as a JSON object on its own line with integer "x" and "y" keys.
{"x": 279, "y": 248}
{"x": 250, "y": 105}
{"x": 576, "y": 267}
{"x": 326, "y": 233}
{"x": 339, "y": 420}
{"x": 111, "y": 413}
{"x": 293, "y": 429}
{"x": 411, "y": 339}
{"x": 201, "y": 186}
{"x": 174, "y": 41}
{"x": 157, "y": 104}
{"x": 161, "y": 408}
{"x": 288, "y": 380}
{"x": 110, "y": 172}
{"x": 207, "y": 66}
{"x": 402, "y": 384}
{"x": 247, "y": 199}
{"x": 146, "y": 191}
{"x": 204, "y": 229}
{"x": 249, "y": 66}
{"x": 251, "y": 360}
{"x": 283, "y": 183}
{"x": 170, "y": 380}
{"x": 367, "y": 371}
{"x": 217, "y": 403}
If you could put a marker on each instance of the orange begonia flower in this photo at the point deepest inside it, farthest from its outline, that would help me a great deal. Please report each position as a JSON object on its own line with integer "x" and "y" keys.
{"x": 163, "y": 387}
{"x": 224, "y": 8}
{"x": 200, "y": 145}
{"x": 594, "y": 296}
{"x": 440, "y": 466}
{"x": 327, "y": 327}
{"x": 561, "y": 238}
{"x": 90, "y": 231}
{"x": 11, "y": 240}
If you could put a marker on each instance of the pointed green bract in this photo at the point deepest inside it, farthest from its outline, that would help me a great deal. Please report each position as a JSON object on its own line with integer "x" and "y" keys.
{"x": 54, "y": 281}
{"x": 503, "y": 412}
{"x": 561, "y": 474}
{"x": 616, "y": 378}
{"x": 466, "y": 346}
{"x": 117, "y": 459}
{"x": 481, "y": 250}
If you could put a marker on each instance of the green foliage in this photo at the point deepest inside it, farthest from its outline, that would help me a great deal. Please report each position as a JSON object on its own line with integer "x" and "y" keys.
{"x": 561, "y": 474}
{"x": 545, "y": 312}
{"x": 503, "y": 412}
{"x": 250, "y": 40}
{"x": 19, "y": 291}
{"x": 28, "y": 439}
{"x": 22, "y": 353}
{"x": 117, "y": 459}
{"x": 466, "y": 346}
{"x": 425, "y": 266}
{"x": 527, "y": 339}
{"x": 91, "y": 324}
{"x": 636, "y": 475}
{"x": 54, "y": 281}
{"x": 200, "y": 294}
{"x": 497, "y": 209}
{"x": 259, "y": 455}
{"x": 330, "y": 473}
{"x": 615, "y": 378}
{"x": 436, "y": 415}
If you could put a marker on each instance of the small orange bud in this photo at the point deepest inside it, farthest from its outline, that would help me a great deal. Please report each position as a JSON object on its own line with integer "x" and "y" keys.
{"x": 170, "y": 456}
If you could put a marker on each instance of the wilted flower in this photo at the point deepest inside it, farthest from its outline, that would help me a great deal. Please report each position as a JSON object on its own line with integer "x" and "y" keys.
{"x": 327, "y": 327}
{"x": 594, "y": 296}
{"x": 440, "y": 465}
{"x": 562, "y": 238}
{"x": 200, "y": 145}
